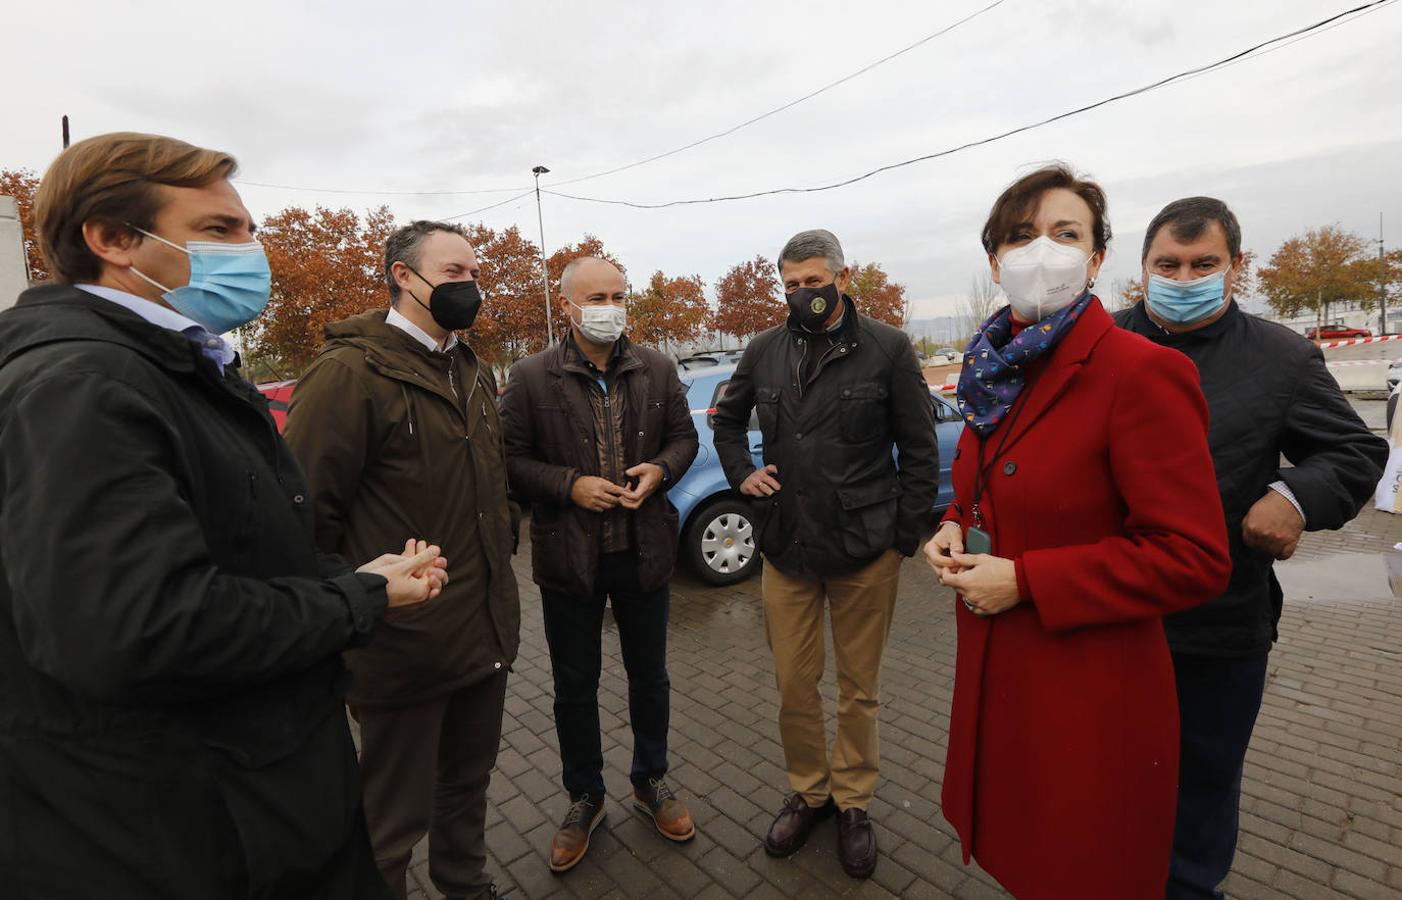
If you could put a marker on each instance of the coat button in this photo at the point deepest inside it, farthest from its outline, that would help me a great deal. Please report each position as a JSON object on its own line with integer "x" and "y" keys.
{"x": 798, "y": 436}
{"x": 496, "y": 665}
{"x": 846, "y": 393}
{"x": 299, "y": 499}
{"x": 640, "y": 434}
{"x": 1010, "y": 469}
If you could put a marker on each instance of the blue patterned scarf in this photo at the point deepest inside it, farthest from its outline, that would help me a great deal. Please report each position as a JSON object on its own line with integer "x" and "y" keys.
{"x": 995, "y": 367}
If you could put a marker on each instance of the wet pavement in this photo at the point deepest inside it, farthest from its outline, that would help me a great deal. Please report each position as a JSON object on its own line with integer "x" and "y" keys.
{"x": 1322, "y": 805}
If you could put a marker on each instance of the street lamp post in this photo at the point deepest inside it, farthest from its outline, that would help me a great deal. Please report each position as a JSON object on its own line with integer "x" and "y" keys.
{"x": 544, "y": 269}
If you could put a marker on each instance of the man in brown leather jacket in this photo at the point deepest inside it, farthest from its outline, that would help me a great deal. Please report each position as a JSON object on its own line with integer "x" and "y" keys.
{"x": 396, "y": 423}
{"x": 597, "y": 428}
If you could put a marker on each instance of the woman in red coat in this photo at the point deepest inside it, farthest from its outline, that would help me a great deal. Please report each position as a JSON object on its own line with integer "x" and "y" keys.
{"x": 1086, "y": 509}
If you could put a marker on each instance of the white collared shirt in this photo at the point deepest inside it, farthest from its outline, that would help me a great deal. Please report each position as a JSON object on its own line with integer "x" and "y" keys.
{"x": 158, "y": 315}
{"x": 401, "y": 321}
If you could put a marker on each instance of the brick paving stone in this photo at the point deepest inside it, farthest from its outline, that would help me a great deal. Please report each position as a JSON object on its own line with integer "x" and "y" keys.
{"x": 1321, "y": 811}
{"x": 729, "y": 871}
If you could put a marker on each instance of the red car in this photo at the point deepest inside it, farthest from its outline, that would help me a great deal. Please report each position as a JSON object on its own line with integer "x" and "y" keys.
{"x": 279, "y": 394}
{"x": 1336, "y": 332}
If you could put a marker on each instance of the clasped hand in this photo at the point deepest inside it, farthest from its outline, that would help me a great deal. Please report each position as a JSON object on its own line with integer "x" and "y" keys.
{"x": 987, "y": 584}
{"x": 414, "y": 576}
{"x": 600, "y": 495}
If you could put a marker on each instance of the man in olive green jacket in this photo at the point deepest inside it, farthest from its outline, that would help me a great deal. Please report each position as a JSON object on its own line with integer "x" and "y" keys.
{"x": 396, "y": 425}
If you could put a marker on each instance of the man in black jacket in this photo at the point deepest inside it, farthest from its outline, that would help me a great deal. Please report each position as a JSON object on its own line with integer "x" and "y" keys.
{"x": 171, "y": 722}
{"x": 597, "y": 429}
{"x": 835, "y": 391}
{"x": 1269, "y": 394}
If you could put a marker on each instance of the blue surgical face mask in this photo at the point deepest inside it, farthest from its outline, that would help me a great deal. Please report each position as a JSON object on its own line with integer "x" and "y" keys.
{"x": 1186, "y": 302}
{"x": 229, "y": 283}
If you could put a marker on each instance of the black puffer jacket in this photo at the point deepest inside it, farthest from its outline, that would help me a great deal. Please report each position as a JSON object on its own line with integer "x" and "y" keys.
{"x": 844, "y": 499}
{"x": 171, "y": 720}
{"x": 1268, "y": 394}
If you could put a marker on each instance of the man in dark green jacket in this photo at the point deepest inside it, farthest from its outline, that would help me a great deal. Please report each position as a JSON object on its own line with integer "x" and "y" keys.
{"x": 396, "y": 425}
{"x": 171, "y": 720}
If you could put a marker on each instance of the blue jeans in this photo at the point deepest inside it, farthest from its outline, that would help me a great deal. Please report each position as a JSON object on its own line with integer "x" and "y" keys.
{"x": 1218, "y": 700}
{"x": 573, "y": 628}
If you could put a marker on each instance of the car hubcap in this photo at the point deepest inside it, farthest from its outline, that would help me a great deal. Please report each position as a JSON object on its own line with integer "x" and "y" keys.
{"x": 728, "y": 543}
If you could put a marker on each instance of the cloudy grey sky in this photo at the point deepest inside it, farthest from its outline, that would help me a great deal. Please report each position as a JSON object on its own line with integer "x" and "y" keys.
{"x": 470, "y": 95}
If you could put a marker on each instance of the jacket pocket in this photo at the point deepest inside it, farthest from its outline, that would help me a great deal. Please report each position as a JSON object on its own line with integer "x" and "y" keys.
{"x": 862, "y": 410}
{"x": 868, "y": 525}
{"x": 767, "y": 410}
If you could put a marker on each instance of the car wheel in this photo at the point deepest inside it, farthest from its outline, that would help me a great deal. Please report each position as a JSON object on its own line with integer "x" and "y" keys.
{"x": 719, "y": 542}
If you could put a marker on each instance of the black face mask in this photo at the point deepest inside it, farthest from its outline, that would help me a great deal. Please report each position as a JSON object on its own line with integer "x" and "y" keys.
{"x": 810, "y": 308}
{"x": 454, "y": 304}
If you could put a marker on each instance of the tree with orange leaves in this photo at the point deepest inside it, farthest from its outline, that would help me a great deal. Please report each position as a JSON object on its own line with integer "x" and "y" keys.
{"x": 749, "y": 299}
{"x": 512, "y": 322}
{"x": 327, "y": 265}
{"x": 668, "y": 310}
{"x": 22, "y": 184}
{"x": 876, "y": 295}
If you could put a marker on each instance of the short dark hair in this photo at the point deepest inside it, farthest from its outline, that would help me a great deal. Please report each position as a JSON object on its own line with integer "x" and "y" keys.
{"x": 1188, "y": 218}
{"x": 405, "y": 245}
{"x": 1015, "y": 204}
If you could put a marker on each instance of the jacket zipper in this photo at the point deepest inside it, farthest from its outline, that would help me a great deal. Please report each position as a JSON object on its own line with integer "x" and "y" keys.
{"x": 798, "y": 369}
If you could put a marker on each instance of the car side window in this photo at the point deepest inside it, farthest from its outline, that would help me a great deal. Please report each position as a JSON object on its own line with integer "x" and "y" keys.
{"x": 715, "y": 401}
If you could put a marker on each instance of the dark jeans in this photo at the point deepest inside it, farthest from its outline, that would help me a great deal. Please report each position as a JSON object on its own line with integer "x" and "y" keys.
{"x": 1218, "y": 700}
{"x": 574, "y": 629}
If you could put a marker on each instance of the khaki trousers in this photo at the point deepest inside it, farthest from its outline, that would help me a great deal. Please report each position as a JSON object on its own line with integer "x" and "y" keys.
{"x": 862, "y": 605}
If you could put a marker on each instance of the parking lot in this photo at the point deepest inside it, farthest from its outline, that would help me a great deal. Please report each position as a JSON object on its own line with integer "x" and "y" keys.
{"x": 1322, "y": 814}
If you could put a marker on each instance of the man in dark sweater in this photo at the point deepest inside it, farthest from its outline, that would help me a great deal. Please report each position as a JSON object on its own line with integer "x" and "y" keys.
{"x": 1269, "y": 395}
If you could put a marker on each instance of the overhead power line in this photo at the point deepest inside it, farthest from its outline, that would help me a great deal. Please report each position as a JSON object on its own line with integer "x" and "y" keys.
{"x": 673, "y": 152}
{"x": 789, "y": 105}
{"x": 473, "y": 212}
{"x": 1292, "y": 37}
{"x": 313, "y": 190}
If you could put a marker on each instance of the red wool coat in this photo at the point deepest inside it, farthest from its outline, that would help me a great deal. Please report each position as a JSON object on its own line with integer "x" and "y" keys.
{"x": 1062, "y": 769}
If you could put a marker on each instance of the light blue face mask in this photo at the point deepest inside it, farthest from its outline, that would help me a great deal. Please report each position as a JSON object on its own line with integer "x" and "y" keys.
{"x": 229, "y": 283}
{"x": 1186, "y": 302}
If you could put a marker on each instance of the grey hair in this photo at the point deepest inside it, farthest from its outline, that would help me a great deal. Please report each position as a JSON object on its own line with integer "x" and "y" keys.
{"x": 819, "y": 243}
{"x": 406, "y": 245}
{"x": 574, "y": 264}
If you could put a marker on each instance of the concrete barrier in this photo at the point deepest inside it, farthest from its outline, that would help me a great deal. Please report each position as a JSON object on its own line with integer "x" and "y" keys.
{"x": 1360, "y": 375}
{"x": 14, "y": 273}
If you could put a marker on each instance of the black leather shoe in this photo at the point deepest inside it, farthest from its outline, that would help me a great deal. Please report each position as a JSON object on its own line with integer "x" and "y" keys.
{"x": 856, "y": 843}
{"x": 794, "y": 823}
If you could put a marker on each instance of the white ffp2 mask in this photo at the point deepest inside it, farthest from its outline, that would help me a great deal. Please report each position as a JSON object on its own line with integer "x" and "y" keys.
{"x": 602, "y": 324}
{"x": 1042, "y": 278}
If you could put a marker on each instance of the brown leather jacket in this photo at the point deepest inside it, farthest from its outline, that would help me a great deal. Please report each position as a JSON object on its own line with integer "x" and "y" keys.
{"x": 401, "y": 442}
{"x": 552, "y": 438}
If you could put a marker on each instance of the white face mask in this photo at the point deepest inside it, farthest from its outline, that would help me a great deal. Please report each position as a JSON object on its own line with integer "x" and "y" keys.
{"x": 602, "y": 324}
{"x": 1042, "y": 278}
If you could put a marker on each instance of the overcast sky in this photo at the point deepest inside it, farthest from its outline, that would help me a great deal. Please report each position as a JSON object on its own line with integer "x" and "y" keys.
{"x": 393, "y": 97}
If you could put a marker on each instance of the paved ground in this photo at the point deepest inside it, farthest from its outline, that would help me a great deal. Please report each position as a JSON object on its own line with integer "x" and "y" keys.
{"x": 1322, "y": 813}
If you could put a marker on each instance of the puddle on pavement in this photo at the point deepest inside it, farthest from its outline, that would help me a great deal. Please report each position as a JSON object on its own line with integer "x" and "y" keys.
{"x": 1347, "y": 576}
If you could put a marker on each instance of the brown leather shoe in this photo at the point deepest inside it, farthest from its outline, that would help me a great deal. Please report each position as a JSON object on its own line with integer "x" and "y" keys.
{"x": 572, "y": 840}
{"x": 794, "y": 823}
{"x": 670, "y": 815}
{"x": 856, "y": 843}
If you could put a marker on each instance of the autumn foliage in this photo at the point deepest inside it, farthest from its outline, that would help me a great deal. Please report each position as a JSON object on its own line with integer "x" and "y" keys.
{"x": 749, "y": 299}
{"x": 877, "y": 295}
{"x": 1321, "y": 267}
{"x": 327, "y": 265}
{"x": 22, "y": 185}
{"x": 668, "y": 310}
